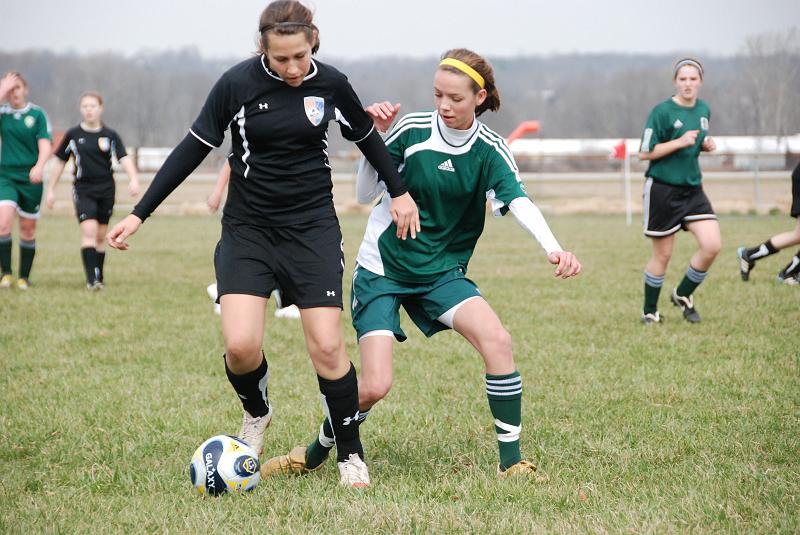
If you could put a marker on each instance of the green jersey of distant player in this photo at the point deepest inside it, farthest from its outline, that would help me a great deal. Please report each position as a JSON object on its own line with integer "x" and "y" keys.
{"x": 669, "y": 121}
{"x": 20, "y": 131}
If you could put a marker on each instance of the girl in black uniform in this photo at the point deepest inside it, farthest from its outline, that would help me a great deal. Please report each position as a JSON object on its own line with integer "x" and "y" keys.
{"x": 92, "y": 144}
{"x": 279, "y": 227}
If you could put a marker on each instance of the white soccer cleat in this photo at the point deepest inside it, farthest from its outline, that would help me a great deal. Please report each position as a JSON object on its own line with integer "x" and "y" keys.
{"x": 291, "y": 312}
{"x": 253, "y": 428}
{"x": 353, "y": 472}
{"x": 7, "y": 281}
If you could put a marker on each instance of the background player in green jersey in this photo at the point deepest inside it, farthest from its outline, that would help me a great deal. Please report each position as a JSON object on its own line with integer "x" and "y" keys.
{"x": 91, "y": 145}
{"x": 452, "y": 164}
{"x": 25, "y": 135}
{"x": 748, "y": 256}
{"x": 675, "y": 134}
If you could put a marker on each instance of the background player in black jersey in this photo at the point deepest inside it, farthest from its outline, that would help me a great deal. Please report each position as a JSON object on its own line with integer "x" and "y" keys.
{"x": 748, "y": 256}
{"x": 279, "y": 226}
{"x": 91, "y": 144}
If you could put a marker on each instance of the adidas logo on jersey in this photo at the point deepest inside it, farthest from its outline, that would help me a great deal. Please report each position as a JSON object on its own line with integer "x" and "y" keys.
{"x": 677, "y": 123}
{"x": 447, "y": 165}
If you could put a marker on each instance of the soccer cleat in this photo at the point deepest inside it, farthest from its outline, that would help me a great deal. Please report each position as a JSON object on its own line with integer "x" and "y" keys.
{"x": 23, "y": 283}
{"x": 253, "y": 428}
{"x": 291, "y": 312}
{"x": 686, "y": 304}
{"x": 92, "y": 287}
{"x": 98, "y": 286}
{"x": 292, "y": 463}
{"x": 745, "y": 264}
{"x": 353, "y": 472}
{"x": 792, "y": 280}
{"x": 6, "y": 281}
{"x": 522, "y": 468}
{"x": 651, "y": 318}
{"x": 211, "y": 290}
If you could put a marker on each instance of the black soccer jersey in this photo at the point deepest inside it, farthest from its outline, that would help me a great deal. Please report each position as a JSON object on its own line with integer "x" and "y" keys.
{"x": 280, "y": 174}
{"x": 92, "y": 150}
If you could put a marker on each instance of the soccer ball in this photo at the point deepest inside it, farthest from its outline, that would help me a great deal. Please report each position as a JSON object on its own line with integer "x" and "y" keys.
{"x": 224, "y": 464}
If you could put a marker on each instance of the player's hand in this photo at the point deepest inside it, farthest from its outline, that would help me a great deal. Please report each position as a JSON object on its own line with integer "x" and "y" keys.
{"x": 7, "y": 83}
{"x": 689, "y": 138}
{"x": 213, "y": 202}
{"x": 133, "y": 188}
{"x": 383, "y": 114}
{"x": 36, "y": 174}
{"x": 127, "y": 227}
{"x": 50, "y": 199}
{"x": 709, "y": 145}
{"x": 566, "y": 262}
{"x": 405, "y": 215}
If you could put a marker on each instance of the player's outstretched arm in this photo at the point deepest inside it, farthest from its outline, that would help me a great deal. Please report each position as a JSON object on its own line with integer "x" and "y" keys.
{"x": 133, "y": 175}
{"x": 566, "y": 262}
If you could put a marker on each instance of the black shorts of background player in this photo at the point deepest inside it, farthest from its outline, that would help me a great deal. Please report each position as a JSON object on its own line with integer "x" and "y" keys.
{"x": 675, "y": 134}
{"x": 279, "y": 226}
{"x": 91, "y": 144}
{"x": 748, "y": 256}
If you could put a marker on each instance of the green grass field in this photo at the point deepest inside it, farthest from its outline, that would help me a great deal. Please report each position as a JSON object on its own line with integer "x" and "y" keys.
{"x": 670, "y": 429}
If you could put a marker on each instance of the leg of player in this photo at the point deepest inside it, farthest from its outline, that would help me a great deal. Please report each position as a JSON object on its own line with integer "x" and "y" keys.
{"x": 100, "y": 247}
{"x": 707, "y": 234}
{"x": 477, "y": 322}
{"x": 749, "y": 255}
{"x": 89, "y": 233}
{"x": 27, "y": 250}
{"x": 7, "y": 211}
{"x": 374, "y": 383}
{"x": 654, "y": 273}
{"x": 338, "y": 387}
{"x": 245, "y": 364}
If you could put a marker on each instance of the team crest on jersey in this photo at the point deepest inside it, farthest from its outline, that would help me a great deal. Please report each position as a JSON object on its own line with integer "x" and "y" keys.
{"x": 677, "y": 124}
{"x": 315, "y": 109}
{"x": 704, "y": 123}
{"x": 30, "y": 121}
{"x": 104, "y": 143}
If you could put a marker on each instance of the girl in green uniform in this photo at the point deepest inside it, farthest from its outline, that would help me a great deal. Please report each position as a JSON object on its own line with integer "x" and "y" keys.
{"x": 675, "y": 134}
{"x": 25, "y": 134}
{"x": 452, "y": 164}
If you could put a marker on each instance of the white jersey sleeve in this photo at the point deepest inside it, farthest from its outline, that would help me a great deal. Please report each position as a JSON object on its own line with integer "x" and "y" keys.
{"x": 368, "y": 187}
{"x": 531, "y": 219}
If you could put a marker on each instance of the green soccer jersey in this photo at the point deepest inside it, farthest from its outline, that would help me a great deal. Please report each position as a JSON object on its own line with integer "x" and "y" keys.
{"x": 20, "y": 131}
{"x": 669, "y": 121}
{"x": 450, "y": 174}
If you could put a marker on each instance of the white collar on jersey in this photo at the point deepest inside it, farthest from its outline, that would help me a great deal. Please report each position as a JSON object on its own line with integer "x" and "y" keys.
{"x": 308, "y": 76}
{"x": 454, "y": 137}
{"x": 26, "y": 108}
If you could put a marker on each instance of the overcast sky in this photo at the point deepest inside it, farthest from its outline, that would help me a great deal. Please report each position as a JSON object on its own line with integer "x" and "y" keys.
{"x": 354, "y": 29}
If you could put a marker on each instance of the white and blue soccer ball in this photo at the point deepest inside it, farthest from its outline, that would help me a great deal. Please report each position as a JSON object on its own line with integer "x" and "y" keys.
{"x": 224, "y": 464}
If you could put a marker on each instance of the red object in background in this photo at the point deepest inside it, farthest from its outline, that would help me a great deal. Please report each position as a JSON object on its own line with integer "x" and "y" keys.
{"x": 525, "y": 127}
{"x": 619, "y": 151}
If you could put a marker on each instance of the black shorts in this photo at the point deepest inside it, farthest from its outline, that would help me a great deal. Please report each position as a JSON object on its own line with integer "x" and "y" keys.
{"x": 796, "y": 191}
{"x": 94, "y": 201}
{"x": 305, "y": 261}
{"x": 668, "y": 208}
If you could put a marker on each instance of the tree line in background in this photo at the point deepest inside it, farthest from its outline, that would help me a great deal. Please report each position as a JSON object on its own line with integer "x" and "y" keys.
{"x": 152, "y": 99}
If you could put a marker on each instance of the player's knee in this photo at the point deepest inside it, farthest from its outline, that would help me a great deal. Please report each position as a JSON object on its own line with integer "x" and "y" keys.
{"x": 372, "y": 391}
{"x": 242, "y": 350}
{"x": 327, "y": 354}
{"x": 713, "y": 248}
{"x": 496, "y": 342}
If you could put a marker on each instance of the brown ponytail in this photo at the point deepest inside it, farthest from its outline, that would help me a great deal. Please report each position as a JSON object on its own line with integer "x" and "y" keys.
{"x": 482, "y": 67}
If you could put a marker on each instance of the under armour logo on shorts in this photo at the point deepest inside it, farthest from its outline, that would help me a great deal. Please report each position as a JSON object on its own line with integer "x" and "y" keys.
{"x": 331, "y": 293}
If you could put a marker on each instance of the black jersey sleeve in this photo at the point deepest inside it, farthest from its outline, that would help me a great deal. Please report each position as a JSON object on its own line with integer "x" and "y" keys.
{"x": 178, "y": 165}
{"x": 354, "y": 122}
{"x": 377, "y": 155}
{"x": 63, "y": 150}
{"x": 217, "y": 113}
{"x": 117, "y": 146}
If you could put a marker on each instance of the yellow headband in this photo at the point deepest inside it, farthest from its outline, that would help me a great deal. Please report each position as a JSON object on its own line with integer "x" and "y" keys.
{"x": 466, "y": 69}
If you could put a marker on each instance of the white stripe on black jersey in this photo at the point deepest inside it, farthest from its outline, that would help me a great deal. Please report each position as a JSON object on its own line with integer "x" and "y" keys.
{"x": 280, "y": 170}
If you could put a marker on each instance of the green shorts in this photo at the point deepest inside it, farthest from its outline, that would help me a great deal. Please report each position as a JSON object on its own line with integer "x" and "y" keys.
{"x": 17, "y": 190}
{"x": 375, "y": 301}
